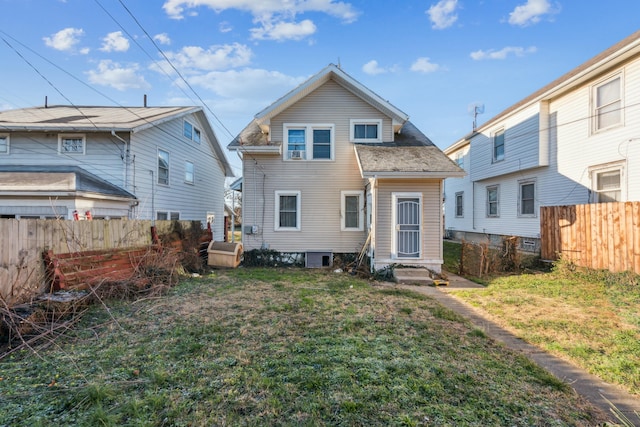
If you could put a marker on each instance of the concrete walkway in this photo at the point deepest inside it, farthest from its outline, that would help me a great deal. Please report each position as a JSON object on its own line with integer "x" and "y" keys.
{"x": 591, "y": 387}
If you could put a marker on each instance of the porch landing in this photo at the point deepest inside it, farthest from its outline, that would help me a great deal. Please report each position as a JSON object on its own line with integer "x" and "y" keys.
{"x": 413, "y": 276}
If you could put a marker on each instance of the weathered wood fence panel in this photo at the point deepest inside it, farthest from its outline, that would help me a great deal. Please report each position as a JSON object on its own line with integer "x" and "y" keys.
{"x": 598, "y": 236}
{"x": 23, "y": 241}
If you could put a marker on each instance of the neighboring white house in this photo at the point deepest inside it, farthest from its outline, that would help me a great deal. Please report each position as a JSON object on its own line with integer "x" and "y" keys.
{"x": 330, "y": 166}
{"x": 575, "y": 141}
{"x": 111, "y": 162}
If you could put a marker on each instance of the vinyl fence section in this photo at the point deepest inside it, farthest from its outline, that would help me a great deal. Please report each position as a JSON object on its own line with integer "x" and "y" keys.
{"x": 597, "y": 236}
{"x": 23, "y": 241}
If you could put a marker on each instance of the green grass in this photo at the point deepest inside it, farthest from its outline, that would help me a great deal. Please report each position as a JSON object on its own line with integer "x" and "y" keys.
{"x": 588, "y": 317}
{"x": 282, "y": 347}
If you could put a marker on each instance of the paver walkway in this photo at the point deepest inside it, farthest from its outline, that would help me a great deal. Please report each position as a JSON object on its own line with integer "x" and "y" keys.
{"x": 591, "y": 387}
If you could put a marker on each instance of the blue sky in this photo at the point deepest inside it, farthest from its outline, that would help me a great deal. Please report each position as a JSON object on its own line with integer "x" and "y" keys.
{"x": 432, "y": 59}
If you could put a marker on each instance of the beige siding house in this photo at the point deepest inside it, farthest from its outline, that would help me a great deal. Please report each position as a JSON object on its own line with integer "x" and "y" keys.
{"x": 332, "y": 168}
{"x": 113, "y": 163}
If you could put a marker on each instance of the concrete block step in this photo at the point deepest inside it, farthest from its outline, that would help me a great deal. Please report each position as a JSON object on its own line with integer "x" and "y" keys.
{"x": 413, "y": 276}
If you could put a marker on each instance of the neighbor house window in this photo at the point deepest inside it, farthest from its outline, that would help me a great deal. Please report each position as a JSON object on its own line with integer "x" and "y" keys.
{"x": 352, "y": 210}
{"x": 460, "y": 204}
{"x": 164, "y": 215}
{"x": 492, "y": 201}
{"x": 607, "y": 100}
{"x": 71, "y": 144}
{"x": 287, "y": 210}
{"x": 460, "y": 160}
{"x": 188, "y": 172}
{"x": 4, "y": 144}
{"x": 607, "y": 184}
{"x": 527, "y": 199}
{"x": 366, "y": 130}
{"x": 498, "y": 146}
{"x": 308, "y": 142}
{"x": 191, "y": 132}
{"x": 163, "y": 167}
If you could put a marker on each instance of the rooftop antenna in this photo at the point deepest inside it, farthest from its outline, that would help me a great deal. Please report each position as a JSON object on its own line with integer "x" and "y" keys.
{"x": 474, "y": 109}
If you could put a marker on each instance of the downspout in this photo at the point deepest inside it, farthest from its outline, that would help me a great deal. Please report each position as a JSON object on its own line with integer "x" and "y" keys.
{"x": 473, "y": 205}
{"x": 374, "y": 216}
{"x": 154, "y": 232}
{"x": 126, "y": 158}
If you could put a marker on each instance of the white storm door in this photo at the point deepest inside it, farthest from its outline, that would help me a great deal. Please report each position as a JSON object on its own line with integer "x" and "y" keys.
{"x": 407, "y": 221}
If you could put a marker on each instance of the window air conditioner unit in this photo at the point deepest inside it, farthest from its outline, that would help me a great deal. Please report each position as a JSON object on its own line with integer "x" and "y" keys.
{"x": 297, "y": 154}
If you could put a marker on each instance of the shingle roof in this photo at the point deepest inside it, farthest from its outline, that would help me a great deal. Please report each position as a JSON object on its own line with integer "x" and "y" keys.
{"x": 39, "y": 177}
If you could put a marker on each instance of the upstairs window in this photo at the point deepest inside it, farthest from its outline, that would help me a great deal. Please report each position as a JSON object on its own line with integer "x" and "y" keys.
{"x": 163, "y": 167}
{"x": 189, "y": 173}
{"x": 71, "y": 144}
{"x": 460, "y": 160}
{"x": 369, "y": 130}
{"x": 308, "y": 142}
{"x": 191, "y": 132}
{"x": 607, "y": 104}
{"x": 4, "y": 144}
{"x": 498, "y": 146}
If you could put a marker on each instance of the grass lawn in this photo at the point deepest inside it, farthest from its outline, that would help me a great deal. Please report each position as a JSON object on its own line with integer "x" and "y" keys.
{"x": 590, "y": 318}
{"x": 281, "y": 347}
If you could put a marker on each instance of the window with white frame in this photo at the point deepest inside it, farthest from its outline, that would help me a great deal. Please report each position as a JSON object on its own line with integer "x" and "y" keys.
{"x": 4, "y": 144}
{"x": 607, "y": 184}
{"x": 352, "y": 210}
{"x": 493, "y": 199}
{"x": 365, "y": 130}
{"x": 189, "y": 172}
{"x": 607, "y": 103}
{"x": 287, "y": 211}
{"x": 498, "y": 146}
{"x": 163, "y": 167}
{"x": 460, "y": 160}
{"x": 460, "y": 204}
{"x": 527, "y": 198}
{"x": 71, "y": 144}
{"x": 191, "y": 132}
{"x": 308, "y": 141}
{"x": 167, "y": 215}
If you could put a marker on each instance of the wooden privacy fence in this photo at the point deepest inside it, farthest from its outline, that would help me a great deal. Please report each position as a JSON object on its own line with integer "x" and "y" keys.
{"x": 23, "y": 241}
{"x": 597, "y": 236}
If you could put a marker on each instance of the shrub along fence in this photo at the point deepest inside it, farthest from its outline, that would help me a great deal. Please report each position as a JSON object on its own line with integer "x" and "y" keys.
{"x": 23, "y": 242}
{"x": 598, "y": 236}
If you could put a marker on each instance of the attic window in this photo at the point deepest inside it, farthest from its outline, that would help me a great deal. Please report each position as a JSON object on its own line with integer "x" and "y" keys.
{"x": 365, "y": 130}
{"x": 71, "y": 144}
{"x": 191, "y": 132}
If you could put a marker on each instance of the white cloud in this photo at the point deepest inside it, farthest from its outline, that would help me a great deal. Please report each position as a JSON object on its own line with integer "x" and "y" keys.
{"x": 192, "y": 59}
{"x": 65, "y": 40}
{"x": 373, "y": 68}
{"x": 225, "y": 27}
{"x": 442, "y": 14}
{"x": 502, "y": 53}
{"x": 531, "y": 12}
{"x": 283, "y": 30}
{"x": 109, "y": 73}
{"x": 275, "y": 18}
{"x": 162, "y": 38}
{"x": 115, "y": 42}
{"x": 423, "y": 65}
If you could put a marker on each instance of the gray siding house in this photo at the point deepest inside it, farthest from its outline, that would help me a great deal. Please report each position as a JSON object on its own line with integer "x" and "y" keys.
{"x": 574, "y": 141}
{"x": 331, "y": 166}
{"x": 111, "y": 162}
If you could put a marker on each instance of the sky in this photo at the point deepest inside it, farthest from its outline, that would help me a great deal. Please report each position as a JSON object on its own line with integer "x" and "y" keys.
{"x": 434, "y": 60}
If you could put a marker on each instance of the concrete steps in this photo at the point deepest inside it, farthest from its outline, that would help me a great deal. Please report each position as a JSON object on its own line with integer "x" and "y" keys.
{"x": 413, "y": 276}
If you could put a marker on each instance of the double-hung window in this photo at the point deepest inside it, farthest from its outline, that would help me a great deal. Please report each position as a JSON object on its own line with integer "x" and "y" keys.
{"x": 460, "y": 204}
{"x": 163, "y": 167}
{"x": 71, "y": 144}
{"x": 498, "y": 146}
{"x": 189, "y": 172}
{"x": 4, "y": 144}
{"x": 365, "y": 130}
{"x": 607, "y": 184}
{"x": 527, "y": 198}
{"x": 493, "y": 199}
{"x": 352, "y": 210}
{"x": 287, "y": 211}
{"x": 191, "y": 132}
{"x": 607, "y": 104}
{"x": 308, "y": 141}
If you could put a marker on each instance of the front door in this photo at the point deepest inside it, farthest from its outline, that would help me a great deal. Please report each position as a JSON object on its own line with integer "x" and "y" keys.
{"x": 407, "y": 218}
